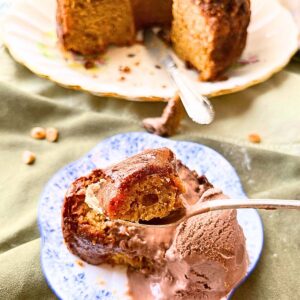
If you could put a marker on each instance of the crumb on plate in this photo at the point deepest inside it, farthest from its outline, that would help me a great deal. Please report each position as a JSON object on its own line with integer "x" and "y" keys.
{"x": 89, "y": 64}
{"x": 124, "y": 69}
{"x": 80, "y": 263}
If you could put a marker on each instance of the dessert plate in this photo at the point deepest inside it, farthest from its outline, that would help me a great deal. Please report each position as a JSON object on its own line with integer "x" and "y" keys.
{"x": 71, "y": 278}
{"x": 294, "y": 7}
{"x": 29, "y": 33}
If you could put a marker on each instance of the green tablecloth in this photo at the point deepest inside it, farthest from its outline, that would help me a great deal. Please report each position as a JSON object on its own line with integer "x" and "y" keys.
{"x": 270, "y": 169}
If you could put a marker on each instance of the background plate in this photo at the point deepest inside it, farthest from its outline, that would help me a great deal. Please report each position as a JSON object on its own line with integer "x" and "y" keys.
{"x": 29, "y": 34}
{"x": 72, "y": 280}
{"x": 294, "y": 7}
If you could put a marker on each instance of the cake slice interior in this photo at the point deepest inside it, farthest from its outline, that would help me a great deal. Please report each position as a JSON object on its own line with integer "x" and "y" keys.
{"x": 140, "y": 188}
{"x": 89, "y": 27}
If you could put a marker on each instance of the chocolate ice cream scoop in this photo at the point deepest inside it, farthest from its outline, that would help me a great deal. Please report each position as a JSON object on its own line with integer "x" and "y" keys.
{"x": 207, "y": 256}
{"x": 206, "y": 259}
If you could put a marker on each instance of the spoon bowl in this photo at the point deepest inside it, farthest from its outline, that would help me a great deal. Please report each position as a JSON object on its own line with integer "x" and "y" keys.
{"x": 179, "y": 216}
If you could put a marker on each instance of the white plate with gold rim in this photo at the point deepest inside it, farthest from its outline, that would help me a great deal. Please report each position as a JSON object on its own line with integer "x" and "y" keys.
{"x": 29, "y": 33}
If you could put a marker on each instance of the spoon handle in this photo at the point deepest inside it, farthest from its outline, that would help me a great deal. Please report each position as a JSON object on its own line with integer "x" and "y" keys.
{"x": 242, "y": 203}
{"x": 197, "y": 106}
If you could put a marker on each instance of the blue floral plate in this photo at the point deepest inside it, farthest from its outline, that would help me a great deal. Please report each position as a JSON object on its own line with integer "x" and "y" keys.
{"x": 71, "y": 278}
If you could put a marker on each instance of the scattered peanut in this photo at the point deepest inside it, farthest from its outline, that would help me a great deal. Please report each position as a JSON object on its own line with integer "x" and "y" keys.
{"x": 28, "y": 157}
{"x": 254, "y": 138}
{"x": 38, "y": 133}
{"x": 51, "y": 134}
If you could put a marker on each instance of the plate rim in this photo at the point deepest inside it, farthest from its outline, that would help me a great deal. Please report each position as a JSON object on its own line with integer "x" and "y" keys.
{"x": 69, "y": 165}
{"x": 141, "y": 98}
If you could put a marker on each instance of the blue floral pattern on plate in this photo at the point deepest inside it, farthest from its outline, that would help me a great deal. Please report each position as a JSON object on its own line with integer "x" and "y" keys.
{"x": 70, "y": 280}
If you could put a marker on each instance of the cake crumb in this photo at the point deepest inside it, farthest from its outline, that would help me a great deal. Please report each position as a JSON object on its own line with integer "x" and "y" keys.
{"x": 28, "y": 157}
{"x": 131, "y": 55}
{"x": 137, "y": 63}
{"x": 157, "y": 66}
{"x": 102, "y": 282}
{"x": 254, "y": 138}
{"x": 122, "y": 78}
{"x": 124, "y": 69}
{"x": 89, "y": 64}
{"x": 80, "y": 263}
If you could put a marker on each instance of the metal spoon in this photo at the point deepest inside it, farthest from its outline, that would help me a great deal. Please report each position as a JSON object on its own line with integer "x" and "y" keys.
{"x": 196, "y": 105}
{"x": 214, "y": 205}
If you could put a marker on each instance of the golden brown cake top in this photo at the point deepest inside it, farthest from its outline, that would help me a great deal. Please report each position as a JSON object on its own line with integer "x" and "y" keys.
{"x": 219, "y": 8}
{"x": 152, "y": 161}
{"x": 133, "y": 187}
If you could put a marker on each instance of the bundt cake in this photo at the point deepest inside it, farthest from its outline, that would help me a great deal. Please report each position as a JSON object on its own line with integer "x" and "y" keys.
{"x": 208, "y": 34}
{"x": 89, "y": 27}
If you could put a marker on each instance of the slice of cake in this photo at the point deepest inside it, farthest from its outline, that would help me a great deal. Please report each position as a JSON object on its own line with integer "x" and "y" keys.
{"x": 90, "y": 233}
{"x": 89, "y": 27}
{"x": 210, "y": 35}
{"x": 142, "y": 187}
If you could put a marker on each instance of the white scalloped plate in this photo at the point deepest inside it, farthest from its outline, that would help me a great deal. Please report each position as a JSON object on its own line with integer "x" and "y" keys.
{"x": 294, "y": 7}
{"x": 29, "y": 34}
{"x": 72, "y": 280}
